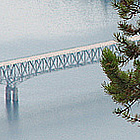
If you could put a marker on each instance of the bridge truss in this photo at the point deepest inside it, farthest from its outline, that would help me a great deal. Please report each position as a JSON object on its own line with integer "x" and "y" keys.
{"x": 16, "y": 71}
{"x": 14, "y": 74}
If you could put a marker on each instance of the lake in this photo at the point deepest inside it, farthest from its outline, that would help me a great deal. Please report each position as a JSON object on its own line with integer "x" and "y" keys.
{"x": 63, "y": 105}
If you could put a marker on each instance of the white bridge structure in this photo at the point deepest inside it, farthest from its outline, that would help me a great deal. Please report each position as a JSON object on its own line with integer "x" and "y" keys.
{"x": 16, "y": 71}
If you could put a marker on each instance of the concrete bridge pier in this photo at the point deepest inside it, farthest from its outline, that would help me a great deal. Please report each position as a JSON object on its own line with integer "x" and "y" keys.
{"x": 11, "y": 93}
{"x": 8, "y": 93}
{"x": 15, "y": 94}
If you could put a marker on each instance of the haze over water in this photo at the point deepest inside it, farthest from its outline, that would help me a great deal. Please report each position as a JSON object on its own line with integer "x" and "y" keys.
{"x": 38, "y": 26}
{"x": 63, "y": 105}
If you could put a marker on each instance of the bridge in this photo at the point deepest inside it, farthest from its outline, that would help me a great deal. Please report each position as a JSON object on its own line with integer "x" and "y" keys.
{"x": 14, "y": 72}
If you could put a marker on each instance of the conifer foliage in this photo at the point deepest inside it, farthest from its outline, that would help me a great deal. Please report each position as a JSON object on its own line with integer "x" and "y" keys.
{"x": 124, "y": 85}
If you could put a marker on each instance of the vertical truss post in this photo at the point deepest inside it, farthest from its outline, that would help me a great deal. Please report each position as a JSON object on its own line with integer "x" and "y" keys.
{"x": 50, "y": 64}
{"x": 35, "y": 67}
{"x": 28, "y": 65}
{"x": 57, "y": 62}
{"x": 64, "y": 61}
{"x": 99, "y": 54}
{"x": 13, "y": 74}
{"x": 70, "y": 61}
{"x": 84, "y": 57}
{"x": 92, "y": 56}
{"x": 43, "y": 69}
{"x": 77, "y": 58}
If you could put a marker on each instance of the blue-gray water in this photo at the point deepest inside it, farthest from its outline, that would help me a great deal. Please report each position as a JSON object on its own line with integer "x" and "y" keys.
{"x": 63, "y": 105}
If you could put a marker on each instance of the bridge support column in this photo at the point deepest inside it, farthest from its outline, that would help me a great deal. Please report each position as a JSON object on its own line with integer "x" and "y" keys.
{"x": 9, "y": 91}
{"x": 15, "y": 94}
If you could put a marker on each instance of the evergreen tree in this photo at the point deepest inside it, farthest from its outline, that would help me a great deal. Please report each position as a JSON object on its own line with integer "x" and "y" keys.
{"x": 124, "y": 86}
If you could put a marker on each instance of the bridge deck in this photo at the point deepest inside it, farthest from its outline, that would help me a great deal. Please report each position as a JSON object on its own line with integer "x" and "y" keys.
{"x": 73, "y": 50}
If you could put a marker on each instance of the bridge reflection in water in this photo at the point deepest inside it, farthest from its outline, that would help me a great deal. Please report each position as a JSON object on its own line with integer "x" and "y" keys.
{"x": 12, "y": 111}
{"x": 16, "y": 71}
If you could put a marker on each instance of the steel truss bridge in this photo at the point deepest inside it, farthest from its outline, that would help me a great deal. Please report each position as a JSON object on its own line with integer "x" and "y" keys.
{"x": 16, "y": 71}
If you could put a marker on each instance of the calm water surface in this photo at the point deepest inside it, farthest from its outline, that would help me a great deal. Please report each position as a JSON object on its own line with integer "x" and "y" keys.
{"x": 29, "y": 27}
{"x": 63, "y": 105}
